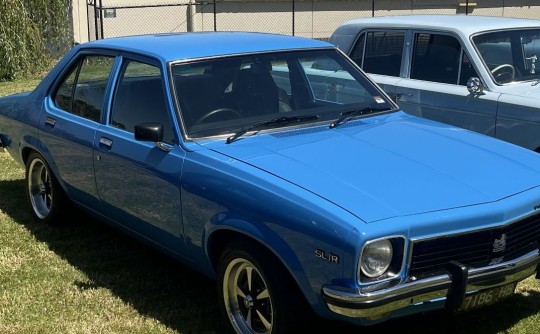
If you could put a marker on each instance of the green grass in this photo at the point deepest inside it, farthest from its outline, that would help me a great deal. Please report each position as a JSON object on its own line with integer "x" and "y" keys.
{"x": 17, "y": 86}
{"x": 85, "y": 277}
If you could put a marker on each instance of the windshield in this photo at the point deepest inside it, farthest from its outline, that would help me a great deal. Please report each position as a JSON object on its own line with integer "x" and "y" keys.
{"x": 224, "y": 95}
{"x": 510, "y": 55}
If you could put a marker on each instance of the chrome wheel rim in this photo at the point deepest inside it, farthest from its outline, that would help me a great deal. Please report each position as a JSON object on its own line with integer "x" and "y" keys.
{"x": 247, "y": 299}
{"x": 40, "y": 188}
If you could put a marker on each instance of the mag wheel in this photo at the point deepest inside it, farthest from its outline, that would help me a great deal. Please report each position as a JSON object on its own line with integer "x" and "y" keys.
{"x": 43, "y": 192}
{"x": 256, "y": 294}
{"x": 247, "y": 299}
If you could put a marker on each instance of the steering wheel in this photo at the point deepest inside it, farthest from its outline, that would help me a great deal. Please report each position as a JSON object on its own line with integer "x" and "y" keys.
{"x": 209, "y": 114}
{"x": 505, "y": 70}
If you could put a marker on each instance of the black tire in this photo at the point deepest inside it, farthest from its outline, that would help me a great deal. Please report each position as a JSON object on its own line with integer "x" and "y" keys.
{"x": 47, "y": 201}
{"x": 272, "y": 304}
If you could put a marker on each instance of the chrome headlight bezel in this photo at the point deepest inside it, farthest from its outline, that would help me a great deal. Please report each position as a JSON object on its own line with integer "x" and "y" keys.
{"x": 395, "y": 264}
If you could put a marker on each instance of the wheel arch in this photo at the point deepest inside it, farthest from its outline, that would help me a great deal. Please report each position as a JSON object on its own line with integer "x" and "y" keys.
{"x": 218, "y": 241}
{"x": 25, "y": 153}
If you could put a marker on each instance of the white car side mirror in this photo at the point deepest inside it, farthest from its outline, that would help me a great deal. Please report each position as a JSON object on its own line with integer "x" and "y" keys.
{"x": 475, "y": 86}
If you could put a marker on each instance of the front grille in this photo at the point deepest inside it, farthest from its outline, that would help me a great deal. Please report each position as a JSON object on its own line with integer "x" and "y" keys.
{"x": 476, "y": 249}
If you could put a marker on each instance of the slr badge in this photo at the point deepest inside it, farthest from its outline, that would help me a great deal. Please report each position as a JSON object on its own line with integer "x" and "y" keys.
{"x": 330, "y": 257}
{"x": 499, "y": 245}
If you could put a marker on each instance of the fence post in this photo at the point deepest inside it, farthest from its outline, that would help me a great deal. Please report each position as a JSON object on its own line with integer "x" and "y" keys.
{"x": 101, "y": 18}
{"x": 293, "y": 15}
{"x": 372, "y": 8}
{"x": 96, "y": 13}
{"x": 215, "y": 16}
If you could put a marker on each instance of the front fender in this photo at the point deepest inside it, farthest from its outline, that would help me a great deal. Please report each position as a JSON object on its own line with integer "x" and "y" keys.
{"x": 225, "y": 197}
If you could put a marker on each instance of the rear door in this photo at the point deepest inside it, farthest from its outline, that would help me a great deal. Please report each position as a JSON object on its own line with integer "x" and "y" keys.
{"x": 72, "y": 114}
{"x": 380, "y": 53}
{"x": 139, "y": 182}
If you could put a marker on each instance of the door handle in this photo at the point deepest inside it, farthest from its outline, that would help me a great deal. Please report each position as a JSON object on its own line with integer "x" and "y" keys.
{"x": 106, "y": 142}
{"x": 399, "y": 95}
{"x": 50, "y": 121}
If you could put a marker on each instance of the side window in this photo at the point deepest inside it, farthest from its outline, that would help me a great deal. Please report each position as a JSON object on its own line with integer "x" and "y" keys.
{"x": 380, "y": 52}
{"x": 357, "y": 53}
{"x": 140, "y": 98}
{"x": 64, "y": 94}
{"x": 436, "y": 58}
{"x": 82, "y": 91}
{"x": 91, "y": 84}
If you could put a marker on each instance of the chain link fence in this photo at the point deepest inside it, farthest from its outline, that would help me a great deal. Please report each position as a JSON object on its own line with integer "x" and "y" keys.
{"x": 307, "y": 18}
{"x": 112, "y": 18}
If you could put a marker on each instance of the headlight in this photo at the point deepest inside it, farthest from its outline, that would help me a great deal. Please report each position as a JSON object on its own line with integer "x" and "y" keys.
{"x": 376, "y": 258}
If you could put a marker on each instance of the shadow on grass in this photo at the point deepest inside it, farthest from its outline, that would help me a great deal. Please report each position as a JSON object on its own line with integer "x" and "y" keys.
{"x": 182, "y": 299}
{"x": 154, "y": 284}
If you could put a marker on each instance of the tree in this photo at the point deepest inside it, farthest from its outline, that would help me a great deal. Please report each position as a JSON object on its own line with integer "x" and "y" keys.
{"x": 32, "y": 32}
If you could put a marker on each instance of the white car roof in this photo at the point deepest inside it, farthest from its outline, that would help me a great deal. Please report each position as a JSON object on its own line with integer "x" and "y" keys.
{"x": 459, "y": 24}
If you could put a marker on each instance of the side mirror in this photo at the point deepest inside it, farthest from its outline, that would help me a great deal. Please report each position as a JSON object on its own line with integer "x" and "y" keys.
{"x": 475, "y": 86}
{"x": 152, "y": 132}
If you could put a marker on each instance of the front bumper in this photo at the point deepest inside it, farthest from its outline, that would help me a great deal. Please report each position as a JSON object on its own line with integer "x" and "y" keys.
{"x": 453, "y": 285}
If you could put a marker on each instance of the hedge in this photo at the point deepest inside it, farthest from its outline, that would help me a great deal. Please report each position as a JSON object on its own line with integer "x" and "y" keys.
{"x": 32, "y": 34}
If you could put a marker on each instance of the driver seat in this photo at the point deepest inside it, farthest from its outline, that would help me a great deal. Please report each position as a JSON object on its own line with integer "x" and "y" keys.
{"x": 255, "y": 91}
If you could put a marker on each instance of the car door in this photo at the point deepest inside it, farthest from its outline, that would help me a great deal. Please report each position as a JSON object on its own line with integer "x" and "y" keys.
{"x": 435, "y": 85}
{"x": 72, "y": 113}
{"x": 139, "y": 182}
{"x": 380, "y": 53}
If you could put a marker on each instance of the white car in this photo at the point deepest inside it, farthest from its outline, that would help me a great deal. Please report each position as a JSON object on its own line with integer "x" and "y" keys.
{"x": 478, "y": 73}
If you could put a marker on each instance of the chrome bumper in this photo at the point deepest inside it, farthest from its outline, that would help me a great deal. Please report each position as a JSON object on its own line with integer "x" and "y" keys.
{"x": 453, "y": 286}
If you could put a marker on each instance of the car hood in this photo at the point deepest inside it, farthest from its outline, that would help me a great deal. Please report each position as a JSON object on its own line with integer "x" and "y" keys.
{"x": 391, "y": 165}
{"x": 528, "y": 89}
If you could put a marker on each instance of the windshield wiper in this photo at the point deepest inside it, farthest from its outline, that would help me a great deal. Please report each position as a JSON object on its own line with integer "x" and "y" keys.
{"x": 275, "y": 121}
{"x": 348, "y": 115}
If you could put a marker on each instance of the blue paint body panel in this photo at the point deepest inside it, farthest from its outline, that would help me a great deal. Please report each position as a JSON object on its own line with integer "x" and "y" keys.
{"x": 296, "y": 190}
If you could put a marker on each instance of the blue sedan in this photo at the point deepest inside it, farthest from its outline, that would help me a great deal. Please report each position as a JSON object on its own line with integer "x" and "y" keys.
{"x": 275, "y": 166}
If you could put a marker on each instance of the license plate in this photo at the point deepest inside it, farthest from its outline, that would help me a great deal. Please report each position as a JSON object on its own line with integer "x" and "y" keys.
{"x": 488, "y": 296}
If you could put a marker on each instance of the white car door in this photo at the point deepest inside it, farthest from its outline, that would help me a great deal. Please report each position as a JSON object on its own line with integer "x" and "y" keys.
{"x": 435, "y": 87}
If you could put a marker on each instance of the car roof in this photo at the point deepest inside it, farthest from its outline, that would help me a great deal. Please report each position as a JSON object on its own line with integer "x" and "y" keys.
{"x": 460, "y": 24}
{"x": 179, "y": 46}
